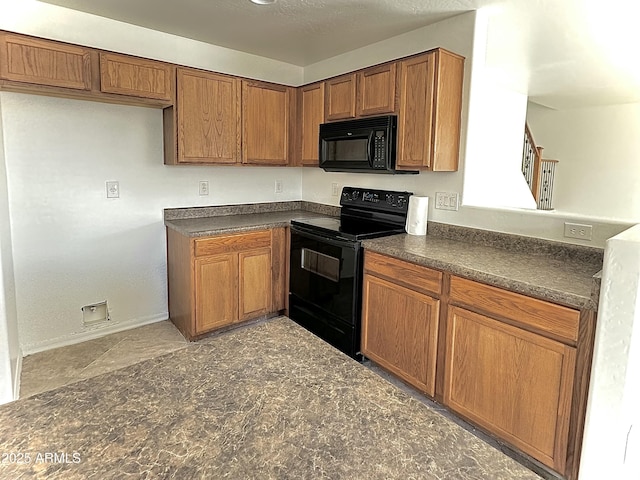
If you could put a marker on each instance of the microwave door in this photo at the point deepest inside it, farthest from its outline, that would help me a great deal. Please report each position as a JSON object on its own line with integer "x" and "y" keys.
{"x": 346, "y": 151}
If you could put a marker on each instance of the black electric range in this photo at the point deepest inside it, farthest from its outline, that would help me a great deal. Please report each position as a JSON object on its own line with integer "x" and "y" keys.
{"x": 325, "y": 282}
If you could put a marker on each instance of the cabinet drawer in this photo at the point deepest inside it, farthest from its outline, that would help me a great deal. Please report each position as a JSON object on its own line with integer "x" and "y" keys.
{"x": 415, "y": 277}
{"x": 527, "y": 312}
{"x": 232, "y": 243}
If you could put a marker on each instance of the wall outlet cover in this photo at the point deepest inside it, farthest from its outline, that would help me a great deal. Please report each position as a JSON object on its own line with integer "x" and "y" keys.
{"x": 113, "y": 189}
{"x": 446, "y": 201}
{"x": 578, "y": 230}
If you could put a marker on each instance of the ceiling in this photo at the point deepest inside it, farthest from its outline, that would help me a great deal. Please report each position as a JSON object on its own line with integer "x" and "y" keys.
{"x": 562, "y": 53}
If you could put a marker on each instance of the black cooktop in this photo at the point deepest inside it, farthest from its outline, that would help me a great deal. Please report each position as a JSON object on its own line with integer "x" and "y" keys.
{"x": 348, "y": 229}
{"x": 365, "y": 213}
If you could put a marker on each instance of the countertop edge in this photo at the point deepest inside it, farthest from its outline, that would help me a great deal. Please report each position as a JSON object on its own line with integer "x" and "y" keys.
{"x": 222, "y": 230}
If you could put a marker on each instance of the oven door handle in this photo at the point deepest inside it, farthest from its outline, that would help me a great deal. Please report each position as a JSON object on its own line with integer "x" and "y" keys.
{"x": 336, "y": 242}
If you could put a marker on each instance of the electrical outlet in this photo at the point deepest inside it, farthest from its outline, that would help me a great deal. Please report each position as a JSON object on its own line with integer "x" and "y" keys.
{"x": 446, "y": 201}
{"x": 278, "y": 186}
{"x": 113, "y": 189}
{"x": 203, "y": 188}
{"x": 578, "y": 230}
{"x": 334, "y": 189}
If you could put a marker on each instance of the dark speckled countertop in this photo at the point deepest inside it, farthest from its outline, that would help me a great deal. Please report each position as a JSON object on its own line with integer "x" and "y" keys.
{"x": 202, "y": 227}
{"x": 561, "y": 273}
{"x": 204, "y": 221}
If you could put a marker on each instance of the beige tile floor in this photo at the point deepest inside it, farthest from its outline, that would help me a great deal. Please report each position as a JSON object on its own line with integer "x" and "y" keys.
{"x": 54, "y": 368}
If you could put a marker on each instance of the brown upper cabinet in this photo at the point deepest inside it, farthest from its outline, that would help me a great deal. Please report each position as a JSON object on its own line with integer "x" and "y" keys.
{"x": 311, "y": 104}
{"x": 429, "y": 113}
{"x": 43, "y": 62}
{"x": 35, "y": 65}
{"x": 371, "y": 91}
{"x": 266, "y": 121}
{"x": 424, "y": 90}
{"x": 376, "y": 90}
{"x": 207, "y": 119}
{"x": 340, "y": 98}
{"x": 135, "y": 76}
{"x": 213, "y": 119}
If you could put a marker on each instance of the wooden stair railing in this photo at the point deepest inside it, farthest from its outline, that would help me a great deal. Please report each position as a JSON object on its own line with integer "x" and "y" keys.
{"x": 538, "y": 172}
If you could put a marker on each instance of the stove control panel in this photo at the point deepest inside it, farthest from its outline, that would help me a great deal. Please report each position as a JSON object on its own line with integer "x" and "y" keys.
{"x": 370, "y": 199}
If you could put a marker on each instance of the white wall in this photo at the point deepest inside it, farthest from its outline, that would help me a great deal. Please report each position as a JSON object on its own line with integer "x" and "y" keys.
{"x": 71, "y": 245}
{"x": 611, "y": 446}
{"x": 599, "y": 153}
{"x": 492, "y": 175}
{"x": 10, "y": 355}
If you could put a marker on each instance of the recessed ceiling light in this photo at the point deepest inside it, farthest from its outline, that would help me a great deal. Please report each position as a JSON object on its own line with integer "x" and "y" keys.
{"x": 263, "y": 2}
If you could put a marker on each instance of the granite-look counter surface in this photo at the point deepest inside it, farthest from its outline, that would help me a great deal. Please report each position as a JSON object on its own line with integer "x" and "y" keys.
{"x": 270, "y": 401}
{"x": 205, "y": 226}
{"x": 205, "y": 221}
{"x": 569, "y": 279}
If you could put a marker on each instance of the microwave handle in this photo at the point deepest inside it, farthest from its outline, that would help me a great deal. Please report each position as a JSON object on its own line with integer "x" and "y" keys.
{"x": 370, "y": 148}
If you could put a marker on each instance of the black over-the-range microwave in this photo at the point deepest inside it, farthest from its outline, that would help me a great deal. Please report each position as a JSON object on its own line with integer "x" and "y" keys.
{"x": 366, "y": 145}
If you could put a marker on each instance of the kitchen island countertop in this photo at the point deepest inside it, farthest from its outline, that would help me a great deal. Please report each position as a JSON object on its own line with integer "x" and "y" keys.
{"x": 270, "y": 401}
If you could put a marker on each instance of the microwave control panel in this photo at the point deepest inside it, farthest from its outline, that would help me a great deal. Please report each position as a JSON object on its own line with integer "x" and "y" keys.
{"x": 379, "y": 159}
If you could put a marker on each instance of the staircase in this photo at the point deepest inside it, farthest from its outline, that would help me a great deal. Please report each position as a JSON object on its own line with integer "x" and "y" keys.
{"x": 538, "y": 172}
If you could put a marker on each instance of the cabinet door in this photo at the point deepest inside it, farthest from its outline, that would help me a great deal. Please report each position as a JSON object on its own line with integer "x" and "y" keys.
{"x": 43, "y": 62}
{"x": 216, "y": 283}
{"x": 400, "y": 331}
{"x": 340, "y": 98}
{"x": 208, "y": 117}
{"x": 312, "y": 115}
{"x": 430, "y": 92}
{"x": 447, "y": 114}
{"x": 137, "y": 77}
{"x": 516, "y": 384}
{"x": 255, "y": 283}
{"x": 417, "y": 76}
{"x": 265, "y": 123}
{"x": 377, "y": 90}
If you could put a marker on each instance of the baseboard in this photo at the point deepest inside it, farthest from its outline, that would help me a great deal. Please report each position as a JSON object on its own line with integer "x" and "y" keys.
{"x": 17, "y": 374}
{"x": 79, "y": 337}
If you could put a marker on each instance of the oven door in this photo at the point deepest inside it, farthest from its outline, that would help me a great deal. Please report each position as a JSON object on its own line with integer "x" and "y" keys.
{"x": 325, "y": 273}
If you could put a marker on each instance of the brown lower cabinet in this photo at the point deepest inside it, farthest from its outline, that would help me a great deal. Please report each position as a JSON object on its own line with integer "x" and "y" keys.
{"x": 516, "y": 384}
{"x": 224, "y": 279}
{"x": 400, "y": 325}
{"x": 516, "y": 366}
